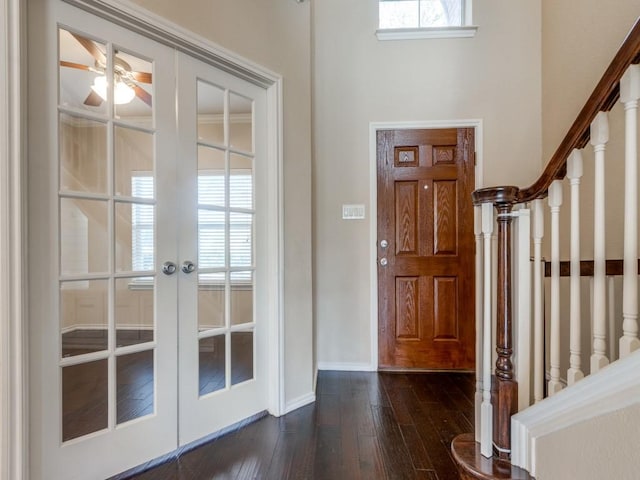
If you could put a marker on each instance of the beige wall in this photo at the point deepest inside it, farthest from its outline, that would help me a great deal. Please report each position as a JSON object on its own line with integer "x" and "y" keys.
{"x": 275, "y": 34}
{"x": 357, "y": 80}
{"x": 576, "y": 452}
{"x": 579, "y": 39}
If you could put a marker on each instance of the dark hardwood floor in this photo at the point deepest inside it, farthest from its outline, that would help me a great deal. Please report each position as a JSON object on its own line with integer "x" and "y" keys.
{"x": 362, "y": 426}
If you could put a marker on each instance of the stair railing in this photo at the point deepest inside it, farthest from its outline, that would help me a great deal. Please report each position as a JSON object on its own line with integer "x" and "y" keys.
{"x": 509, "y": 209}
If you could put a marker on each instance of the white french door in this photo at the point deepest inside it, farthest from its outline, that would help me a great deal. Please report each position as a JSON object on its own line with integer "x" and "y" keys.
{"x": 147, "y": 245}
{"x": 222, "y": 362}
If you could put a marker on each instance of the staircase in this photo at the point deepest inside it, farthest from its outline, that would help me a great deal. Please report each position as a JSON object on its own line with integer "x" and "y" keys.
{"x": 557, "y": 342}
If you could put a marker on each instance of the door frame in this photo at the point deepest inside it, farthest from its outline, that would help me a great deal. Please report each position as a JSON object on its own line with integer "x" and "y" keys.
{"x": 14, "y": 320}
{"x": 476, "y": 124}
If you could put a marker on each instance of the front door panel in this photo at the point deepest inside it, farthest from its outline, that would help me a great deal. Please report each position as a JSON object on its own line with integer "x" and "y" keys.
{"x": 425, "y": 249}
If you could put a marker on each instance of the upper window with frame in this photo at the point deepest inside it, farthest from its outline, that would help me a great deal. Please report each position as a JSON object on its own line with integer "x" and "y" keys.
{"x": 406, "y": 19}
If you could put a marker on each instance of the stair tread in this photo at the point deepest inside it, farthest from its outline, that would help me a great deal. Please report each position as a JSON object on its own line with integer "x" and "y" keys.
{"x": 473, "y": 466}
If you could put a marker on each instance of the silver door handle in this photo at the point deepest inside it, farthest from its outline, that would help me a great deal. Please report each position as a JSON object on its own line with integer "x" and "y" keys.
{"x": 384, "y": 244}
{"x": 188, "y": 266}
{"x": 383, "y": 262}
{"x": 169, "y": 268}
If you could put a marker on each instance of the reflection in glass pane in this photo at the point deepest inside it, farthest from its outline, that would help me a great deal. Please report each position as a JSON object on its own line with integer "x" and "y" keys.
{"x": 133, "y": 88}
{"x": 83, "y": 316}
{"x": 211, "y": 239}
{"x": 241, "y": 182}
{"x": 80, "y": 252}
{"x": 84, "y": 399}
{"x": 82, "y": 62}
{"x": 211, "y": 301}
{"x": 134, "y": 227}
{"x": 210, "y": 113}
{"x": 241, "y": 297}
{"x": 241, "y": 239}
{"x": 440, "y": 13}
{"x": 212, "y": 364}
{"x": 211, "y": 184}
{"x": 241, "y": 356}
{"x": 83, "y": 155}
{"x": 240, "y": 123}
{"x": 134, "y": 310}
{"x": 133, "y": 163}
{"x": 134, "y": 386}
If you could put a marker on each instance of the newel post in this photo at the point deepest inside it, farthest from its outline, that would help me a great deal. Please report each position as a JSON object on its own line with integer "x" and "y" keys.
{"x": 504, "y": 388}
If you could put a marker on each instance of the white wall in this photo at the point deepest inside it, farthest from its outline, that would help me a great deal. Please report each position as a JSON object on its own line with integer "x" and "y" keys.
{"x": 577, "y": 452}
{"x": 275, "y": 34}
{"x": 357, "y": 80}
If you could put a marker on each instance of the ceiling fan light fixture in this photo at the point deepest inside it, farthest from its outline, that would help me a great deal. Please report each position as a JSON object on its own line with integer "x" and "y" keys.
{"x": 122, "y": 94}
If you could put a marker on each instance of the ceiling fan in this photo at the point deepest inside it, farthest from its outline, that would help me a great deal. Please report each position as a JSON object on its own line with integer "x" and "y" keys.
{"x": 126, "y": 80}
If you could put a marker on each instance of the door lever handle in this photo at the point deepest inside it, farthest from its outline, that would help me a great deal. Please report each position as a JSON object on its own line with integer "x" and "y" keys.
{"x": 188, "y": 266}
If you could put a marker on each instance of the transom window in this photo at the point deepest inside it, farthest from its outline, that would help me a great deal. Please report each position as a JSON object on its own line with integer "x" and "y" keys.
{"x": 400, "y": 19}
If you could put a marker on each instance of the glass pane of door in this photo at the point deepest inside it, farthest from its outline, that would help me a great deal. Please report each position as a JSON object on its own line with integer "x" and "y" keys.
{"x": 107, "y": 212}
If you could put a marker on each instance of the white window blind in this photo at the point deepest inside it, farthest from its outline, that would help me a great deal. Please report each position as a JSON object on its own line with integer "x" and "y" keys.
{"x": 142, "y": 219}
{"x": 211, "y": 222}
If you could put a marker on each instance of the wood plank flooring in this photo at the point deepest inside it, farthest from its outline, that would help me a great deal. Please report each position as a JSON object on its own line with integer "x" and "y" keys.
{"x": 362, "y": 426}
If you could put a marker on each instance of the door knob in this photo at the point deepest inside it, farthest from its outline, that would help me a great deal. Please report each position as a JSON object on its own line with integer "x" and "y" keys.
{"x": 383, "y": 262}
{"x": 188, "y": 266}
{"x": 169, "y": 268}
{"x": 384, "y": 244}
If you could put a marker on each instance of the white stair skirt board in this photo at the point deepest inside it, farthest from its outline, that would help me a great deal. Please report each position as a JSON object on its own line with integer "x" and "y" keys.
{"x": 615, "y": 387}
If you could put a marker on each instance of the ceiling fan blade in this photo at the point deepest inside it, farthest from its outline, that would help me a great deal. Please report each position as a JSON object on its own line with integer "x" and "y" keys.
{"x": 79, "y": 66}
{"x": 91, "y": 47}
{"x": 93, "y": 99}
{"x": 143, "y": 95}
{"x": 142, "y": 77}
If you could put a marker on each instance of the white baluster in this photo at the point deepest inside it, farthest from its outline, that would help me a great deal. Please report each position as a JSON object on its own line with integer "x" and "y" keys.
{"x": 477, "y": 230}
{"x": 522, "y": 298}
{"x": 538, "y": 318}
{"x": 611, "y": 316}
{"x": 629, "y": 95}
{"x": 486, "y": 442}
{"x": 599, "y": 138}
{"x": 555, "y": 201}
{"x": 574, "y": 172}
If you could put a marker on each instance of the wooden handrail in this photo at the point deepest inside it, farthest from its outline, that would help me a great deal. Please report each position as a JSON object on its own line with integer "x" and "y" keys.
{"x": 603, "y": 98}
{"x": 613, "y": 268}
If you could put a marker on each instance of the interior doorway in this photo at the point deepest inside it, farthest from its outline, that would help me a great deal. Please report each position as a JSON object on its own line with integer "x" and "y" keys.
{"x": 151, "y": 193}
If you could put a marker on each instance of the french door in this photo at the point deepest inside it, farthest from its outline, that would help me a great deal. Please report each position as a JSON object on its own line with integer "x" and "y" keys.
{"x": 147, "y": 252}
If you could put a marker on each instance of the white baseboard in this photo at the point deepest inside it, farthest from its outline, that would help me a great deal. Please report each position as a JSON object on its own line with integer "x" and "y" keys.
{"x": 299, "y": 402}
{"x": 346, "y": 367}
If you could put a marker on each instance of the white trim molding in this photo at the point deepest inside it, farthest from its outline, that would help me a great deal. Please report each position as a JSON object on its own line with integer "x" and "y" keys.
{"x": 13, "y": 358}
{"x": 299, "y": 402}
{"x": 613, "y": 388}
{"x": 347, "y": 367}
{"x": 466, "y": 31}
{"x": 476, "y": 124}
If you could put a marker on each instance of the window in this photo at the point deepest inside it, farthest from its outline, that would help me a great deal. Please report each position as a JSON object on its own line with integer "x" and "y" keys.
{"x": 211, "y": 223}
{"x": 403, "y": 19}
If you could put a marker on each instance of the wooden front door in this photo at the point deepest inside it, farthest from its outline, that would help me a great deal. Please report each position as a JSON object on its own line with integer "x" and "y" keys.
{"x": 426, "y": 249}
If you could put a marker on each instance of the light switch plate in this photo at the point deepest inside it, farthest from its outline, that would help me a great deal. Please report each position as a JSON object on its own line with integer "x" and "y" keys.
{"x": 353, "y": 212}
